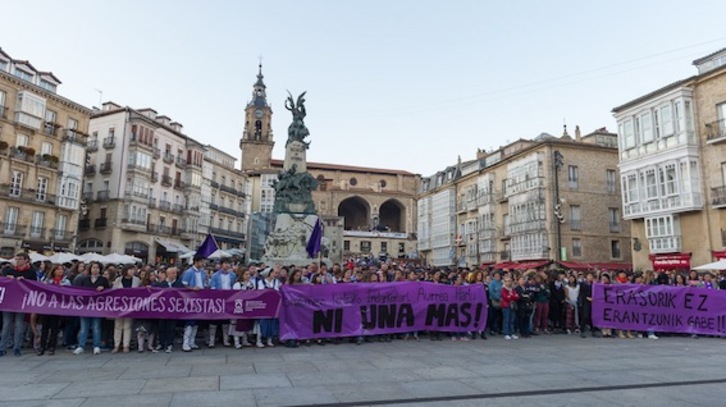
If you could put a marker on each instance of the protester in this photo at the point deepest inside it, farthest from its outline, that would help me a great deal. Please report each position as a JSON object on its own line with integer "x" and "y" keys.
{"x": 51, "y": 323}
{"x": 222, "y": 279}
{"x": 509, "y": 299}
{"x": 195, "y": 279}
{"x": 122, "y": 326}
{"x": 22, "y": 270}
{"x": 95, "y": 281}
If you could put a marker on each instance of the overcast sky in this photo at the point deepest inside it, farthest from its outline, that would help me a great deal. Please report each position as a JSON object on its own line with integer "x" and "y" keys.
{"x": 395, "y": 84}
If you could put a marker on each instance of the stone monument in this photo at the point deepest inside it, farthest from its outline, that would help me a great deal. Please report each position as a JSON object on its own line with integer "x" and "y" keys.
{"x": 294, "y": 208}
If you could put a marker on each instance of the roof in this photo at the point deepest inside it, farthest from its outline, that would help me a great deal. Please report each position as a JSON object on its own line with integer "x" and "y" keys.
{"x": 348, "y": 168}
{"x": 55, "y": 78}
{"x": 703, "y": 59}
{"x": 656, "y": 92}
{"x": 24, "y": 62}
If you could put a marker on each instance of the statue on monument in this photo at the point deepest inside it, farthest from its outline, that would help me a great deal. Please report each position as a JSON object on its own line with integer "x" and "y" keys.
{"x": 297, "y": 131}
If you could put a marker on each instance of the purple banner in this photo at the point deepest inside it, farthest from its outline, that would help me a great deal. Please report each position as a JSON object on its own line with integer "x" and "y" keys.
{"x": 659, "y": 308}
{"x": 152, "y": 303}
{"x": 340, "y": 310}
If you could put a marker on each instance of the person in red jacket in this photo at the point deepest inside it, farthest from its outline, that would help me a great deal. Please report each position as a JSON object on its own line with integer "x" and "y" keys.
{"x": 509, "y": 311}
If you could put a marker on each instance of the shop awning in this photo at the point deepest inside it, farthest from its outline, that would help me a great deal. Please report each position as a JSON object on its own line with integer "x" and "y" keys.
{"x": 581, "y": 266}
{"x": 671, "y": 261}
{"x": 526, "y": 265}
{"x": 173, "y": 247}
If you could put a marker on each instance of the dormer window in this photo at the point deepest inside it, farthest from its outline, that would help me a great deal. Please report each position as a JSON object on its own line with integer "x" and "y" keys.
{"x": 50, "y": 87}
{"x": 23, "y": 75}
{"x": 3, "y": 65}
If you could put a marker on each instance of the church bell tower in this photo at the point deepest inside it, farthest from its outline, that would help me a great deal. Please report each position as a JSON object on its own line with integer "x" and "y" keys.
{"x": 256, "y": 143}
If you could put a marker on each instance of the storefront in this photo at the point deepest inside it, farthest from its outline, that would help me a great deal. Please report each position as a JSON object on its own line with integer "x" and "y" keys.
{"x": 671, "y": 261}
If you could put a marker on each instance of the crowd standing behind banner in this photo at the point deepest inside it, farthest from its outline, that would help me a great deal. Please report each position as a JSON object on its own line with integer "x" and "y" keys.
{"x": 520, "y": 303}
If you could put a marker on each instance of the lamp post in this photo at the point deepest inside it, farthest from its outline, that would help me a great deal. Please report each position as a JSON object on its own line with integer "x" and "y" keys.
{"x": 557, "y": 164}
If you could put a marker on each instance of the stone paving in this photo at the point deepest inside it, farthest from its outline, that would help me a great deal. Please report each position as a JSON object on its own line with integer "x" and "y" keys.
{"x": 553, "y": 370}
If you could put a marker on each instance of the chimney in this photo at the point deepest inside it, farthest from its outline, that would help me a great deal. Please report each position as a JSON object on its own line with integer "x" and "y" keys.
{"x": 578, "y": 135}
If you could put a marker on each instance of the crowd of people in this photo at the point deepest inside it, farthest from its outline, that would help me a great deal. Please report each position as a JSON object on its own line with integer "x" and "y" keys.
{"x": 522, "y": 303}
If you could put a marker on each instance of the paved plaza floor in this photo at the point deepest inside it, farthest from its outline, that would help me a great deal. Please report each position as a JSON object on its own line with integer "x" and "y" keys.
{"x": 553, "y": 370}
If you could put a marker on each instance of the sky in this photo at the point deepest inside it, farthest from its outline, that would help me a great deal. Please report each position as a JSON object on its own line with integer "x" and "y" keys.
{"x": 409, "y": 85}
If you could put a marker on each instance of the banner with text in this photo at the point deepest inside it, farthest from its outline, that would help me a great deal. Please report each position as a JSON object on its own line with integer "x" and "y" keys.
{"x": 152, "y": 303}
{"x": 325, "y": 311}
{"x": 659, "y": 308}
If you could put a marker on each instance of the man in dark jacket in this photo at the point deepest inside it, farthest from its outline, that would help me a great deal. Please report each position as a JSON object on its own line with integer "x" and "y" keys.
{"x": 22, "y": 270}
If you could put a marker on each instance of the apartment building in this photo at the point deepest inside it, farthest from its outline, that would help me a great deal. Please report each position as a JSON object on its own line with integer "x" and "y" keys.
{"x": 142, "y": 187}
{"x": 528, "y": 203}
{"x": 42, "y": 145}
{"x": 672, "y": 168}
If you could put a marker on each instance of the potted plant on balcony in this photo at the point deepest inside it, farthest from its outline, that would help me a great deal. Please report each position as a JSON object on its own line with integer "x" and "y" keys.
{"x": 30, "y": 151}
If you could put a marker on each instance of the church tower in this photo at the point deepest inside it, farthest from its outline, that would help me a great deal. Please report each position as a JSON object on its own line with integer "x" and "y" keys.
{"x": 256, "y": 143}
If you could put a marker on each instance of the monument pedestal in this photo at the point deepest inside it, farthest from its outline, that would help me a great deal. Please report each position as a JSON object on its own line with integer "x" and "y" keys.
{"x": 288, "y": 240}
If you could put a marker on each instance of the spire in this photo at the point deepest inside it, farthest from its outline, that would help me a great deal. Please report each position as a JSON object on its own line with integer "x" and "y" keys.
{"x": 259, "y": 93}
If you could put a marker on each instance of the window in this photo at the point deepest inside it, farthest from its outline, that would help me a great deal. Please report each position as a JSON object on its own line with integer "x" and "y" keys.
{"x": 41, "y": 191}
{"x": 23, "y": 75}
{"x": 631, "y": 190}
{"x": 575, "y": 217}
{"x": 615, "y": 249}
{"x": 353, "y": 181}
{"x": 384, "y": 247}
{"x": 36, "y": 226}
{"x": 646, "y": 127}
{"x": 628, "y": 134}
{"x": 651, "y": 186}
{"x": 346, "y": 245}
{"x": 610, "y": 181}
{"x": 401, "y": 248}
{"x": 21, "y": 140}
{"x": 46, "y": 148}
{"x": 365, "y": 246}
{"x": 614, "y": 219}
{"x": 2, "y": 103}
{"x": 668, "y": 180}
{"x": 16, "y": 184}
{"x": 572, "y": 176}
{"x": 576, "y": 247}
{"x": 72, "y": 124}
{"x": 11, "y": 219}
{"x": 50, "y": 87}
{"x": 666, "y": 121}
{"x": 61, "y": 223}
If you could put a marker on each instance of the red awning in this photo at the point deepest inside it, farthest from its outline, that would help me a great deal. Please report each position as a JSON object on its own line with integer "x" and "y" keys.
{"x": 509, "y": 265}
{"x": 572, "y": 265}
{"x": 719, "y": 254}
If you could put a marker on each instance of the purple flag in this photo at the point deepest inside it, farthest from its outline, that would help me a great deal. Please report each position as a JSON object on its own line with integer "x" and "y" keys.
{"x": 316, "y": 237}
{"x": 208, "y": 247}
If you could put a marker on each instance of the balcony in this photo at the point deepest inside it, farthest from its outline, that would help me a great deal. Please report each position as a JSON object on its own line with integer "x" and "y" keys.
{"x": 109, "y": 143}
{"x": 87, "y": 196}
{"x": 157, "y": 152}
{"x": 487, "y": 234}
{"x": 231, "y": 211}
{"x": 103, "y": 196}
{"x": 228, "y": 190}
{"x": 60, "y": 235}
{"x": 181, "y": 162}
{"x": 90, "y": 169}
{"x": 484, "y": 199}
{"x": 159, "y": 229}
{"x": 166, "y": 181}
{"x": 178, "y": 184}
{"x": 716, "y": 132}
{"x": 75, "y": 137}
{"x": 614, "y": 227}
{"x": 100, "y": 223}
{"x": 215, "y": 184}
{"x": 134, "y": 225}
{"x": 13, "y": 230}
{"x": 51, "y": 129}
{"x": 134, "y": 142}
{"x": 165, "y": 205}
{"x": 47, "y": 160}
{"x": 504, "y": 255}
{"x": 168, "y": 158}
{"x": 21, "y": 153}
{"x": 3, "y": 112}
{"x": 152, "y": 203}
{"x": 27, "y": 195}
{"x": 84, "y": 224}
{"x": 154, "y": 177}
{"x": 36, "y": 232}
{"x": 228, "y": 233}
{"x": 92, "y": 146}
{"x": 665, "y": 244}
{"x": 177, "y": 208}
{"x": 718, "y": 197}
{"x": 106, "y": 167}
{"x": 213, "y": 206}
